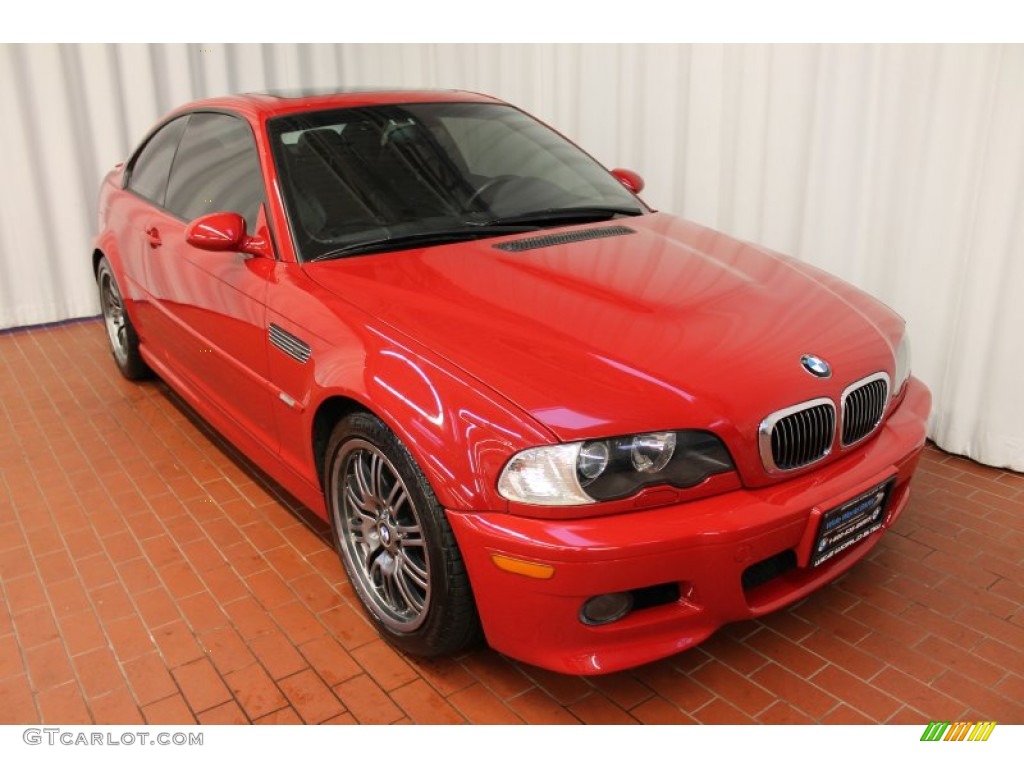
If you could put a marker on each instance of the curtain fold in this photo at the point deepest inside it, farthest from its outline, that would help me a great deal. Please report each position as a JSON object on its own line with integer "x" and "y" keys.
{"x": 897, "y": 167}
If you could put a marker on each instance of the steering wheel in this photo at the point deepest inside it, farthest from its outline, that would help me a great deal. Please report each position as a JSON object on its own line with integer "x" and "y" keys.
{"x": 491, "y": 184}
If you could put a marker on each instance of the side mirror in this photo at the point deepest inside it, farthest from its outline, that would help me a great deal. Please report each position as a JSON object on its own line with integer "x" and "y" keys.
{"x": 631, "y": 180}
{"x": 224, "y": 232}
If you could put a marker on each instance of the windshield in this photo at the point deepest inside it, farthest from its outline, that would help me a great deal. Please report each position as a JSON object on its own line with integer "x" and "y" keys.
{"x": 358, "y": 178}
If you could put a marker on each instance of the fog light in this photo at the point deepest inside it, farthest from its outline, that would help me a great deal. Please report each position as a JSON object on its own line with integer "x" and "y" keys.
{"x": 604, "y": 609}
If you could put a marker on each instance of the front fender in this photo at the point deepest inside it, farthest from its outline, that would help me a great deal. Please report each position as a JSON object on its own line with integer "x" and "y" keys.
{"x": 459, "y": 431}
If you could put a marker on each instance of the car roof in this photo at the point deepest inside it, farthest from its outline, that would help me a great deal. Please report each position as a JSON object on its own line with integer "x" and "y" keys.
{"x": 262, "y": 105}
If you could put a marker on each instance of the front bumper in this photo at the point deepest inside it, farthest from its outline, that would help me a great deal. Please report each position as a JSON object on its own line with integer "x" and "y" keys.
{"x": 703, "y": 547}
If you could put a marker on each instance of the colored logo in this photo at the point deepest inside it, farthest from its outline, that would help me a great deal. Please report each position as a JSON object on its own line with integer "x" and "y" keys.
{"x": 959, "y": 731}
{"x": 815, "y": 366}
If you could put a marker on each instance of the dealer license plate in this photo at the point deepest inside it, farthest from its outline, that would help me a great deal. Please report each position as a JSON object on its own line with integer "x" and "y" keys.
{"x": 848, "y": 523}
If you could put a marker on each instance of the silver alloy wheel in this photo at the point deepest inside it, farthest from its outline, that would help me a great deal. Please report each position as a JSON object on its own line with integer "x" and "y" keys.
{"x": 114, "y": 317}
{"x": 378, "y": 527}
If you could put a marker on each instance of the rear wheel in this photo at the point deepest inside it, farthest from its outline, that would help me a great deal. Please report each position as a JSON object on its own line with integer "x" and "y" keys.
{"x": 395, "y": 542}
{"x": 124, "y": 344}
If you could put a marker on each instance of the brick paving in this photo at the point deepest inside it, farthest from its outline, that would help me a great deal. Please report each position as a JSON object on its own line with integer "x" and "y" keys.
{"x": 147, "y": 575}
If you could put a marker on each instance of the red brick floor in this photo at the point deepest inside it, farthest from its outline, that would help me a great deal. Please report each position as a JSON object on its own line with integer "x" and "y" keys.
{"x": 147, "y": 575}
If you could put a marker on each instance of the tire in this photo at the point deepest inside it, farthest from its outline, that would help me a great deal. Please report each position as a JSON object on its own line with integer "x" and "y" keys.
{"x": 395, "y": 542}
{"x": 121, "y": 336}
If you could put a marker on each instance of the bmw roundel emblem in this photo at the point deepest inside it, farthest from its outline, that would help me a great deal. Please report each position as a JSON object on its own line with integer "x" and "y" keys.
{"x": 815, "y": 366}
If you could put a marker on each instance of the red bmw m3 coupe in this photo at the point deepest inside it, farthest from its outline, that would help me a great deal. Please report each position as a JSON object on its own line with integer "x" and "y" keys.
{"x": 532, "y": 408}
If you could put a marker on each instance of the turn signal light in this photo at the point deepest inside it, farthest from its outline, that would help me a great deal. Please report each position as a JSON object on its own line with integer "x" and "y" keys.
{"x": 523, "y": 567}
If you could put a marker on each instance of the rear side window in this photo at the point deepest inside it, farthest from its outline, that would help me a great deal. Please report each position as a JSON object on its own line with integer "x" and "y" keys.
{"x": 149, "y": 170}
{"x": 216, "y": 169}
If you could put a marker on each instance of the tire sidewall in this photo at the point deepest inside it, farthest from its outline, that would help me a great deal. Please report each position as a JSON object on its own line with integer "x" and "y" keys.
{"x": 133, "y": 367}
{"x": 425, "y": 639}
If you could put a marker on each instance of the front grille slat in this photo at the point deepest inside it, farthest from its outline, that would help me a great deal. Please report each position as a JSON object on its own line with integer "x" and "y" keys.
{"x": 806, "y": 436}
{"x": 815, "y": 425}
{"x": 810, "y": 431}
{"x": 863, "y": 407}
{"x": 791, "y": 454}
{"x": 799, "y": 438}
{"x": 790, "y": 442}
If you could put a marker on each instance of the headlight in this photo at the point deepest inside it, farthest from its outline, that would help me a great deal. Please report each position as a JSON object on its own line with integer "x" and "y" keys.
{"x": 902, "y": 365}
{"x": 544, "y": 476}
{"x": 603, "y": 470}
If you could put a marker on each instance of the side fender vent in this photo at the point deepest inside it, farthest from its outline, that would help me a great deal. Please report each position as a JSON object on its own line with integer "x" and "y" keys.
{"x": 561, "y": 238}
{"x": 292, "y": 346}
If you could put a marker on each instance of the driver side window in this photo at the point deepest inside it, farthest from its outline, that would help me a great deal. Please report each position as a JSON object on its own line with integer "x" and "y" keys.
{"x": 216, "y": 169}
{"x": 148, "y": 174}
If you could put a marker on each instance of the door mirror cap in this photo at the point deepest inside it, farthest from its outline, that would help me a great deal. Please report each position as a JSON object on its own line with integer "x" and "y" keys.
{"x": 224, "y": 231}
{"x": 631, "y": 180}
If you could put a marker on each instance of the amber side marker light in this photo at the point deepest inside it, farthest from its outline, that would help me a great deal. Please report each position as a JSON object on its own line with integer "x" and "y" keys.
{"x": 523, "y": 567}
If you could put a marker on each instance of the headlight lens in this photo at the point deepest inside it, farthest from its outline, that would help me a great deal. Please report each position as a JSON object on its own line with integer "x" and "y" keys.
{"x": 592, "y": 461}
{"x": 902, "y": 365}
{"x": 604, "y": 470}
{"x": 651, "y": 453}
{"x": 545, "y": 475}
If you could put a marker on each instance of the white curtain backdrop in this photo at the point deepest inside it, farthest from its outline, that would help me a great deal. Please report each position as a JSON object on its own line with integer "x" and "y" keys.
{"x": 899, "y": 168}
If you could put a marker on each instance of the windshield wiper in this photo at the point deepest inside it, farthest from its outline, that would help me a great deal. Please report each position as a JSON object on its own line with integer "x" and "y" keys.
{"x": 433, "y": 237}
{"x": 555, "y": 216}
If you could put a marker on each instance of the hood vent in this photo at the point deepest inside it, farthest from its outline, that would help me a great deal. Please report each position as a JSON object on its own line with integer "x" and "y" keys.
{"x": 561, "y": 238}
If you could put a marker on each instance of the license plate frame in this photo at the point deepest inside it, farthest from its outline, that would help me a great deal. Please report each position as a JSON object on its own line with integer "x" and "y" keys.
{"x": 843, "y": 526}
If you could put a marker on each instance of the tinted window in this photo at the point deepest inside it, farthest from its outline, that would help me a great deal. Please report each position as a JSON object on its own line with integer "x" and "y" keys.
{"x": 216, "y": 169}
{"x": 363, "y": 174}
{"x": 516, "y": 144}
{"x": 149, "y": 171}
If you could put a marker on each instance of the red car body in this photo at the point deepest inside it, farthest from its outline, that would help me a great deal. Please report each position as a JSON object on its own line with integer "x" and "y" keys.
{"x": 471, "y": 354}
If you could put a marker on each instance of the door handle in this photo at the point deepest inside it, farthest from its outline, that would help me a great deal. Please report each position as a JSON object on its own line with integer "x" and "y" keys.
{"x": 153, "y": 235}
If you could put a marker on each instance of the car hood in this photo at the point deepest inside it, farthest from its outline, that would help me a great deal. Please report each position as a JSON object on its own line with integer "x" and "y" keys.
{"x": 668, "y": 326}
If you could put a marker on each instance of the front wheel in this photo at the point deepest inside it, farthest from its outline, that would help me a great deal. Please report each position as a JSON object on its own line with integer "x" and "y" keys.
{"x": 124, "y": 344}
{"x": 395, "y": 542}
